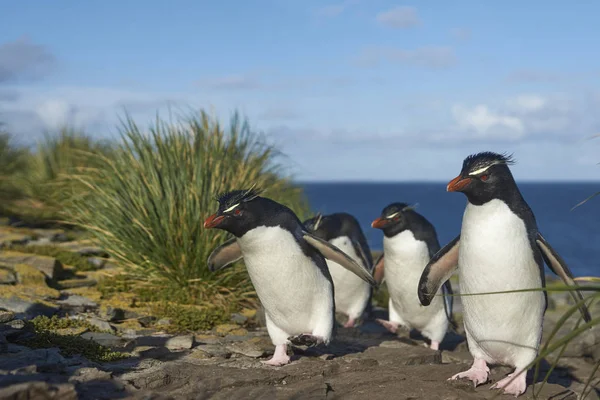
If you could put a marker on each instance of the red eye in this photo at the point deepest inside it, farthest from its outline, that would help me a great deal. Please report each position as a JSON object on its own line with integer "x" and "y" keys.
{"x": 237, "y": 212}
{"x": 484, "y": 177}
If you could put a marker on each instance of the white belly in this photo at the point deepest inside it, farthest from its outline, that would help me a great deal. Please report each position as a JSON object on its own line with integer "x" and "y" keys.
{"x": 351, "y": 292}
{"x": 495, "y": 255}
{"x": 295, "y": 294}
{"x": 404, "y": 262}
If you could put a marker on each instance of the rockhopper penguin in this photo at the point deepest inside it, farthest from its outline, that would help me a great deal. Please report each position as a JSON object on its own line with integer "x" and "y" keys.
{"x": 286, "y": 265}
{"x": 409, "y": 242}
{"x": 499, "y": 248}
{"x": 352, "y": 294}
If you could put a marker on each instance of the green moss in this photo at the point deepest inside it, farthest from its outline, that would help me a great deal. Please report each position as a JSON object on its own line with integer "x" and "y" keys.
{"x": 44, "y": 324}
{"x": 381, "y": 297}
{"x": 79, "y": 262}
{"x": 70, "y": 345}
{"x": 190, "y": 318}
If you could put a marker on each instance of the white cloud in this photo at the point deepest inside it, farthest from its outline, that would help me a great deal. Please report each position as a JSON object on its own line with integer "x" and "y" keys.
{"x": 485, "y": 123}
{"x": 399, "y": 17}
{"x": 430, "y": 57}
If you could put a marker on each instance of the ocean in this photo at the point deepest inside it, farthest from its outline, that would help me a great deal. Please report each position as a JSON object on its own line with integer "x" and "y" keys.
{"x": 574, "y": 234}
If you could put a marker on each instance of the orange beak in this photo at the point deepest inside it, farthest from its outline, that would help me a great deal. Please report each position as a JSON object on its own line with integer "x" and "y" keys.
{"x": 457, "y": 184}
{"x": 379, "y": 223}
{"x": 213, "y": 221}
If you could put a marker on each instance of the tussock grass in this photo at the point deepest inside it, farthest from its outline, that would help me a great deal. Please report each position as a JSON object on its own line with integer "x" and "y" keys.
{"x": 43, "y": 177}
{"x": 146, "y": 204}
{"x": 13, "y": 161}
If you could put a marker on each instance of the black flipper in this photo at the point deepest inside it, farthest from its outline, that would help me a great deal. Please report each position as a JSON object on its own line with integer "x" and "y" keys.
{"x": 224, "y": 255}
{"x": 438, "y": 270}
{"x": 332, "y": 253}
{"x": 557, "y": 265}
{"x": 358, "y": 248}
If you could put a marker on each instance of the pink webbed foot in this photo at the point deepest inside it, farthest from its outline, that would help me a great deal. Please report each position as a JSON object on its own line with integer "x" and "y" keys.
{"x": 515, "y": 383}
{"x": 478, "y": 373}
{"x": 350, "y": 323}
{"x": 390, "y": 326}
{"x": 280, "y": 356}
{"x": 434, "y": 345}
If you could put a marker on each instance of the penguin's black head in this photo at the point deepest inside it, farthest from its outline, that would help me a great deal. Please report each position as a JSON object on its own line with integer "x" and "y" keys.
{"x": 483, "y": 177}
{"x": 393, "y": 219}
{"x": 314, "y": 225}
{"x": 239, "y": 211}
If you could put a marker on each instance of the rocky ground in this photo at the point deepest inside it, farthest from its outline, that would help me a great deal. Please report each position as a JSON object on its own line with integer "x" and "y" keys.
{"x": 108, "y": 351}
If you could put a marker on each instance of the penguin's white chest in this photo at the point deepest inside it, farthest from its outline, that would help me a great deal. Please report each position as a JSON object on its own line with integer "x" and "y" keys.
{"x": 295, "y": 294}
{"x": 405, "y": 260}
{"x": 351, "y": 292}
{"x": 495, "y": 255}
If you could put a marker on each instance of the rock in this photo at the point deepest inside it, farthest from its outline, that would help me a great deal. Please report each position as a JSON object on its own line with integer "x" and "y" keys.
{"x": 49, "y": 266}
{"x": 208, "y": 339}
{"x": 90, "y": 374}
{"x": 16, "y": 324}
{"x": 248, "y": 313}
{"x": 111, "y": 314}
{"x": 54, "y": 235}
{"x": 146, "y": 320}
{"x": 79, "y": 302}
{"x": 150, "y": 352}
{"x": 96, "y": 262}
{"x": 248, "y": 348}
{"x": 100, "y": 324}
{"x": 3, "y": 344}
{"x": 11, "y": 238}
{"x": 180, "y": 342}
{"x": 39, "y": 390}
{"x": 77, "y": 283}
{"x": 6, "y": 316}
{"x": 46, "y": 360}
{"x": 27, "y": 307}
{"x": 28, "y": 275}
{"x": 163, "y": 322}
{"x": 224, "y": 329}
{"x": 238, "y": 318}
{"x": 84, "y": 247}
{"x": 587, "y": 344}
{"x": 7, "y": 276}
{"x": 108, "y": 340}
{"x": 212, "y": 350}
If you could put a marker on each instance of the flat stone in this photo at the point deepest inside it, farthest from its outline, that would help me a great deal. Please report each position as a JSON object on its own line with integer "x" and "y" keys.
{"x": 224, "y": 329}
{"x": 29, "y": 308}
{"x": 16, "y": 324}
{"x": 208, "y": 339}
{"x": 90, "y": 374}
{"x": 77, "y": 301}
{"x": 180, "y": 342}
{"x": 7, "y": 276}
{"x": 46, "y": 360}
{"x": 84, "y": 247}
{"x": 6, "y": 316}
{"x": 77, "y": 283}
{"x": 39, "y": 390}
{"x": 107, "y": 339}
{"x": 163, "y": 322}
{"x": 247, "y": 348}
{"x": 96, "y": 262}
{"x": 146, "y": 320}
{"x": 100, "y": 324}
{"x": 150, "y": 352}
{"x": 29, "y": 275}
{"x": 213, "y": 350}
{"x": 111, "y": 313}
{"x": 238, "y": 318}
{"x": 49, "y": 266}
{"x": 8, "y": 238}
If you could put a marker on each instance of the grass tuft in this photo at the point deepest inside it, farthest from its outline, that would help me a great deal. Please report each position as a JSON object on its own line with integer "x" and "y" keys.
{"x": 147, "y": 203}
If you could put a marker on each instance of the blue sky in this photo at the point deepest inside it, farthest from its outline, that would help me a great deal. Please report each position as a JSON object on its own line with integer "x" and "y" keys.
{"x": 351, "y": 90}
